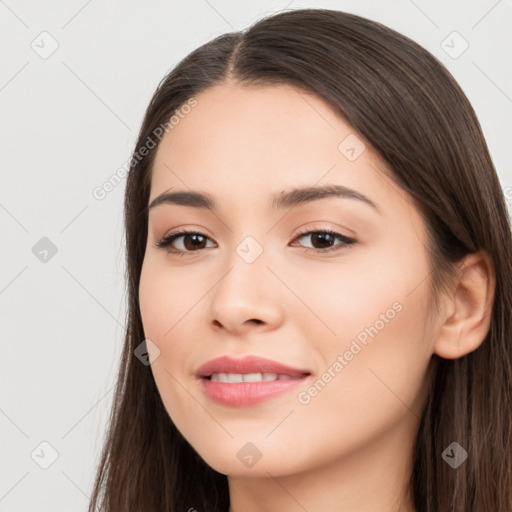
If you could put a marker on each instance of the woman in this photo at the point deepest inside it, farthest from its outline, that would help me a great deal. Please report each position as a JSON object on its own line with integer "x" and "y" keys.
{"x": 319, "y": 280}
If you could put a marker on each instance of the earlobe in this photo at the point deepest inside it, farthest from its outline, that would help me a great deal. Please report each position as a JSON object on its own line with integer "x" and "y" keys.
{"x": 468, "y": 315}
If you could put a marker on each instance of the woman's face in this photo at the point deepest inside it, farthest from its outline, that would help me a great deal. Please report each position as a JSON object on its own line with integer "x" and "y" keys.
{"x": 348, "y": 309}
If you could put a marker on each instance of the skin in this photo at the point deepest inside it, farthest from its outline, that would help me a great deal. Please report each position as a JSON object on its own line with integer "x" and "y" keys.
{"x": 349, "y": 447}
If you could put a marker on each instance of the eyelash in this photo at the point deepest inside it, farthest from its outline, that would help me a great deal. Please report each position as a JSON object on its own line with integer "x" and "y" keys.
{"x": 347, "y": 242}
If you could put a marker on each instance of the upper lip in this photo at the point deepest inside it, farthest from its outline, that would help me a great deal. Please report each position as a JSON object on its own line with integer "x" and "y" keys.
{"x": 247, "y": 364}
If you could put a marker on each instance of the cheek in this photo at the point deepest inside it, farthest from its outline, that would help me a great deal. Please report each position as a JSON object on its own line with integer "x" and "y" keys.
{"x": 166, "y": 296}
{"x": 368, "y": 288}
{"x": 373, "y": 387}
{"x": 169, "y": 305}
{"x": 162, "y": 306}
{"x": 384, "y": 362}
{"x": 376, "y": 312}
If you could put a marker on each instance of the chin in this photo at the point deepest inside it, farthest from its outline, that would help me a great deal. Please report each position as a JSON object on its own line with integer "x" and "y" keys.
{"x": 236, "y": 458}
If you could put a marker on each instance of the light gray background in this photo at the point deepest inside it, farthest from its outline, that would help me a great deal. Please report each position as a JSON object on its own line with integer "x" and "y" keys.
{"x": 68, "y": 122}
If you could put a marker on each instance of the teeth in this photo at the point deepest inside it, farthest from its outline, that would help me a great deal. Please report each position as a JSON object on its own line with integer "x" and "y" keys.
{"x": 253, "y": 377}
{"x": 247, "y": 377}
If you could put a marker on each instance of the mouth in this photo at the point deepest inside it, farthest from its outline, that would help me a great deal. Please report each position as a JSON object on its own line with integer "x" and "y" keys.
{"x": 234, "y": 378}
{"x": 248, "y": 381}
{"x": 247, "y": 369}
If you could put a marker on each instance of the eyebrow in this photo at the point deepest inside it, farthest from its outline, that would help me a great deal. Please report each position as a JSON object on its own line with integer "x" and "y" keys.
{"x": 286, "y": 199}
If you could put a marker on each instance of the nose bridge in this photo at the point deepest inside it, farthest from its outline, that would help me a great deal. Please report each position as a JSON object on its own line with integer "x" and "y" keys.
{"x": 246, "y": 289}
{"x": 246, "y": 271}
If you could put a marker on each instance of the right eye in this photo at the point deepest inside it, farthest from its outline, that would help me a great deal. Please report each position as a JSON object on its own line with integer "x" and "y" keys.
{"x": 192, "y": 241}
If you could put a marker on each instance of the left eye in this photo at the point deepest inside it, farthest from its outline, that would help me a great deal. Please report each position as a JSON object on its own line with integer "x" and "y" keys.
{"x": 327, "y": 237}
{"x": 194, "y": 241}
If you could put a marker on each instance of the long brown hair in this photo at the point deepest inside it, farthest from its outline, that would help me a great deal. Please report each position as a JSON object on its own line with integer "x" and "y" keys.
{"x": 404, "y": 103}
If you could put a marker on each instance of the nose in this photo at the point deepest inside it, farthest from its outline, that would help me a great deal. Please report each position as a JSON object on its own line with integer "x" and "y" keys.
{"x": 246, "y": 297}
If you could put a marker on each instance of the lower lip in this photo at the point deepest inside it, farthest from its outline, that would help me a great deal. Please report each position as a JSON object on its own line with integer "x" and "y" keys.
{"x": 248, "y": 393}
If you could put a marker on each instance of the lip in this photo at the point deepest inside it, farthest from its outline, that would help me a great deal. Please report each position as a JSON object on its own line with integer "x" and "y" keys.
{"x": 248, "y": 393}
{"x": 247, "y": 364}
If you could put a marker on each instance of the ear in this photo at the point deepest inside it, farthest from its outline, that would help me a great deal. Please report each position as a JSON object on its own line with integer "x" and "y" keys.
{"x": 468, "y": 308}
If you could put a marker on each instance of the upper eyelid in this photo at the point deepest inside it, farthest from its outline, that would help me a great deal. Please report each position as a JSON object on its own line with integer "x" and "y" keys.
{"x": 187, "y": 231}
{"x": 169, "y": 239}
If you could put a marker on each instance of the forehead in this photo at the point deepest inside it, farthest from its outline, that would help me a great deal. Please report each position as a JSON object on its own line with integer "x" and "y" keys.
{"x": 292, "y": 125}
{"x": 247, "y": 143}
